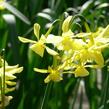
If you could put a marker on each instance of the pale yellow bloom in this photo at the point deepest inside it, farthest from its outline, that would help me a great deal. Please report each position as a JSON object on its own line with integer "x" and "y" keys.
{"x": 105, "y": 32}
{"x": 54, "y": 74}
{"x": 2, "y": 5}
{"x": 9, "y": 77}
{"x": 38, "y": 46}
{"x": 7, "y": 100}
{"x": 81, "y": 71}
{"x": 76, "y": 51}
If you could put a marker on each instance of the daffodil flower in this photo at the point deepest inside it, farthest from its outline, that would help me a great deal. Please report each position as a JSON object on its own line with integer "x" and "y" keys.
{"x": 76, "y": 51}
{"x": 54, "y": 74}
{"x": 38, "y": 46}
{"x": 81, "y": 71}
{"x": 9, "y": 77}
{"x": 2, "y": 5}
{"x": 68, "y": 40}
{"x": 64, "y": 42}
{"x": 7, "y": 101}
{"x": 105, "y": 32}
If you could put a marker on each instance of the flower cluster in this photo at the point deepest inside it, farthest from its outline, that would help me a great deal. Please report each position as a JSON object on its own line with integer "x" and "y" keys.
{"x": 73, "y": 53}
{"x": 8, "y": 84}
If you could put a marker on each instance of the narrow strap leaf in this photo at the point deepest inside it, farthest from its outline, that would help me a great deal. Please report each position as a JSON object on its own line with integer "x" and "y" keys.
{"x": 16, "y": 12}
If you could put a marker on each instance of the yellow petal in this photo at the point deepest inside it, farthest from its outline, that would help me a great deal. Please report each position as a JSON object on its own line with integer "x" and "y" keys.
{"x": 68, "y": 33}
{"x": 105, "y": 32}
{"x": 56, "y": 77}
{"x": 2, "y": 7}
{"x": 9, "y": 89}
{"x": 8, "y": 68}
{"x": 14, "y": 70}
{"x": 53, "y": 39}
{"x": 37, "y": 30}
{"x": 100, "y": 40}
{"x": 53, "y": 77}
{"x": 42, "y": 39}
{"x": 47, "y": 79}
{"x": 81, "y": 35}
{"x": 81, "y": 72}
{"x": 66, "y": 24}
{"x": 6, "y": 101}
{"x": 100, "y": 48}
{"x": 11, "y": 83}
{"x": 9, "y": 76}
{"x": 25, "y": 40}
{"x": 50, "y": 69}
{"x": 38, "y": 48}
{"x": 78, "y": 44}
{"x": 50, "y": 51}
{"x": 67, "y": 43}
{"x": 98, "y": 58}
{"x": 40, "y": 70}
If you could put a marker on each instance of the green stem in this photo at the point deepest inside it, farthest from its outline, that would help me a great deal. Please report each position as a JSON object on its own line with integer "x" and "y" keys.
{"x": 51, "y": 28}
{"x": 81, "y": 99}
{"x": 75, "y": 95}
{"x": 46, "y": 95}
{"x": 48, "y": 88}
{"x": 82, "y": 18}
{"x": 104, "y": 93}
{"x": 54, "y": 61}
{"x": 3, "y": 82}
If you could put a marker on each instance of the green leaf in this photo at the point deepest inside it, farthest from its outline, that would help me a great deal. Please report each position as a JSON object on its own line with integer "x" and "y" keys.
{"x": 86, "y": 7}
{"x": 16, "y": 13}
{"x": 103, "y": 5}
{"x": 11, "y": 27}
{"x": 44, "y": 15}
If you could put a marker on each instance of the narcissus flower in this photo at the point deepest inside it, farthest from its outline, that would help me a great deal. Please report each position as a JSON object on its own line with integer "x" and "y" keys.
{"x": 38, "y": 46}
{"x": 9, "y": 77}
{"x": 7, "y": 101}
{"x": 76, "y": 51}
{"x": 54, "y": 74}
{"x": 2, "y": 5}
{"x": 81, "y": 71}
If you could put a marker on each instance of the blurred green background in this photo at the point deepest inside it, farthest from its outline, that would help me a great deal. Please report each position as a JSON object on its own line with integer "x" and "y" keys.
{"x": 91, "y": 92}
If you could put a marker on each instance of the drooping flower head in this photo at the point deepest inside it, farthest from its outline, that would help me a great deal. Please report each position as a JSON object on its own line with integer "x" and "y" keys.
{"x": 9, "y": 85}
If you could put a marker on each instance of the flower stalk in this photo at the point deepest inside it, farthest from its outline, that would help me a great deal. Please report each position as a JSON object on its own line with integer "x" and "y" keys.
{"x": 3, "y": 89}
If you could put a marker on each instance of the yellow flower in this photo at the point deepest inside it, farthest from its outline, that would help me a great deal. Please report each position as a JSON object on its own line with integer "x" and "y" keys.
{"x": 2, "y": 5}
{"x": 9, "y": 77}
{"x": 105, "y": 32}
{"x": 38, "y": 46}
{"x": 90, "y": 56}
{"x": 54, "y": 74}
{"x": 7, "y": 101}
{"x": 81, "y": 71}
